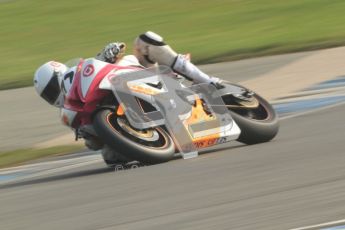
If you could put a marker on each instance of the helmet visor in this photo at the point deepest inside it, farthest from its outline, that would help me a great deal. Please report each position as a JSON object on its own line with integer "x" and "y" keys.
{"x": 52, "y": 90}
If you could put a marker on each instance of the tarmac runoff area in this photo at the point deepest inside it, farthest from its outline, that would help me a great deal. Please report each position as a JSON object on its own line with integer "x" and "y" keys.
{"x": 294, "y": 182}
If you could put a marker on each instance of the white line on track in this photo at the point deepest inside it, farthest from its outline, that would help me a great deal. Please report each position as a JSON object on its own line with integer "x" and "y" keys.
{"x": 63, "y": 168}
{"x": 44, "y": 163}
{"x": 318, "y": 226}
{"x": 307, "y": 95}
{"x": 52, "y": 171}
{"x": 311, "y": 111}
{"x": 45, "y": 168}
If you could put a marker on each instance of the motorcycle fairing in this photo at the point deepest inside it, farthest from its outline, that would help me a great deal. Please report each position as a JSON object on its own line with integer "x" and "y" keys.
{"x": 85, "y": 94}
{"x": 89, "y": 72}
{"x": 203, "y": 129}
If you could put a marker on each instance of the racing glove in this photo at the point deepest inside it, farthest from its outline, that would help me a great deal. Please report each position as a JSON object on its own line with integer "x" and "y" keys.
{"x": 112, "y": 52}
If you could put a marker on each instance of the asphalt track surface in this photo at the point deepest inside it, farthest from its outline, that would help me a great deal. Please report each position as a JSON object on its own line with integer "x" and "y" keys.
{"x": 296, "y": 180}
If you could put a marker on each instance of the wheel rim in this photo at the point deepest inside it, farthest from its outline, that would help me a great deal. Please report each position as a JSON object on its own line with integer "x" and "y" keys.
{"x": 253, "y": 109}
{"x": 153, "y": 137}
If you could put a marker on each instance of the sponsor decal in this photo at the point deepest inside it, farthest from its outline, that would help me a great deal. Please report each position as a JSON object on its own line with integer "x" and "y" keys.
{"x": 65, "y": 120}
{"x": 88, "y": 70}
{"x": 55, "y": 64}
{"x": 207, "y": 142}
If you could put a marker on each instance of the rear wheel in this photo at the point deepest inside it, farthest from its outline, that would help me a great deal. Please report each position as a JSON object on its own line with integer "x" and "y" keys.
{"x": 150, "y": 146}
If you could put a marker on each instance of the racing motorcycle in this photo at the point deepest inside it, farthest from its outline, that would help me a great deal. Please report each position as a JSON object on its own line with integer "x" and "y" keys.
{"x": 149, "y": 115}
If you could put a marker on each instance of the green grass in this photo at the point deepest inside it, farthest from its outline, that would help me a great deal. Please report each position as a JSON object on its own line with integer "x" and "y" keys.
{"x": 20, "y": 156}
{"x": 35, "y": 31}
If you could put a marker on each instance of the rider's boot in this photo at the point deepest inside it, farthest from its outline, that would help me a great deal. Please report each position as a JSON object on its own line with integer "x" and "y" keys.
{"x": 90, "y": 136}
{"x": 93, "y": 143}
{"x": 150, "y": 48}
{"x": 111, "y": 157}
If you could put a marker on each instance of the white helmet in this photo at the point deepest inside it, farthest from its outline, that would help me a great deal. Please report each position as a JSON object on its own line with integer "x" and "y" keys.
{"x": 47, "y": 82}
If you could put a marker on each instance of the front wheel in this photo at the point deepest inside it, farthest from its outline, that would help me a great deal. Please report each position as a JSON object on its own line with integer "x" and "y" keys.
{"x": 149, "y": 146}
{"x": 256, "y": 118}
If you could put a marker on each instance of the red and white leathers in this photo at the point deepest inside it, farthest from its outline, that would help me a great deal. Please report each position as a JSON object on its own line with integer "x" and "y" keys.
{"x": 149, "y": 50}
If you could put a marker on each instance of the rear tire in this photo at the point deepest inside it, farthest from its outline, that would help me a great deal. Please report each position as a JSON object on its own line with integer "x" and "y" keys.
{"x": 108, "y": 129}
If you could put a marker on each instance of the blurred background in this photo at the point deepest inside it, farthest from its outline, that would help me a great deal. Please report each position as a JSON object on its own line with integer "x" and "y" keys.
{"x": 35, "y": 31}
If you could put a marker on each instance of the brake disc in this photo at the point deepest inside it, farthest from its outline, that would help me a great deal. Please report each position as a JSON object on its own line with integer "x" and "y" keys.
{"x": 146, "y": 135}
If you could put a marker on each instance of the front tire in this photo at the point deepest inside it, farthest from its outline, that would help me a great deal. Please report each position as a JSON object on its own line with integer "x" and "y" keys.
{"x": 110, "y": 128}
{"x": 259, "y": 124}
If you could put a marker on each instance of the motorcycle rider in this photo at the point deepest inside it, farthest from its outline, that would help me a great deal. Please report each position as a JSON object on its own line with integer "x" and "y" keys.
{"x": 149, "y": 50}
